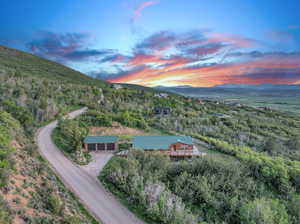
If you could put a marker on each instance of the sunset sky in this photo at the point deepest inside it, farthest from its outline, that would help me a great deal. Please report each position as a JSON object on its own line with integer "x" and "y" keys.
{"x": 162, "y": 42}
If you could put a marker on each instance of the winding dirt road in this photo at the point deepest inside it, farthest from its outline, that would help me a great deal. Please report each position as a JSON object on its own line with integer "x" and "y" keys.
{"x": 87, "y": 188}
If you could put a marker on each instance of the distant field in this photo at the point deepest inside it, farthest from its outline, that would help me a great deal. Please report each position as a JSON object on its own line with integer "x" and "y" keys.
{"x": 287, "y": 104}
{"x": 284, "y": 98}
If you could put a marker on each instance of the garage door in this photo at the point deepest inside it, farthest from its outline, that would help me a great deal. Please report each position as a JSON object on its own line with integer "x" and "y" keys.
{"x": 91, "y": 147}
{"x": 110, "y": 146}
{"x": 101, "y": 146}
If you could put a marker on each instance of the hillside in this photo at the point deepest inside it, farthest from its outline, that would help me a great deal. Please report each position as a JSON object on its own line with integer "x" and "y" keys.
{"x": 260, "y": 149}
{"x": 16, "y": 63}
{"x": 20, "y": 63}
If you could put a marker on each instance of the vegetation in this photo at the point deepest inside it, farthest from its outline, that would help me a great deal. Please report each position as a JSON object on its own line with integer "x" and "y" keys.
{"x": 146, "y": 191}
{"x": 6, "y": 151}
{"x": 69, "y": 136}
{"x": 20, "y": 64}
{"x": 27, "y": 100}
{"x": 283, "y": 174}
{"x": 261, "y": 168}
{"x": 211, "y": 189}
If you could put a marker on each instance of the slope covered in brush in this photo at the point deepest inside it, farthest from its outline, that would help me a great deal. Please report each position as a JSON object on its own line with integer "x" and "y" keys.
{"x": 20, "y": 63}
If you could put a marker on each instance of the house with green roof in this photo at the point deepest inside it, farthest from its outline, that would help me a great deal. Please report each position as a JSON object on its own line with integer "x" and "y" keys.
{"x": 174, "y": 146}
{"x": 100, "y": 143}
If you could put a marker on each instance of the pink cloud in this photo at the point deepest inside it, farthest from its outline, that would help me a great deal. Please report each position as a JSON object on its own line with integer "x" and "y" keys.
{"x": 138, "y": 11}
{"x": 236, "y": 40}
{"x": 267, "y": 69}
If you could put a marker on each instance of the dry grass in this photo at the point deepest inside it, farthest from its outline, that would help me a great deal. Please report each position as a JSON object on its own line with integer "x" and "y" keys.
{"x": 116, "y": 130}
{"x": 18, "y": 191}
{"x": 24, "y": 183}
{"x": 125, "y": 133}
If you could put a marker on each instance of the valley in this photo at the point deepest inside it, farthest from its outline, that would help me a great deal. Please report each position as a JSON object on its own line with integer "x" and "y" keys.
{"x": 279, "y": 97}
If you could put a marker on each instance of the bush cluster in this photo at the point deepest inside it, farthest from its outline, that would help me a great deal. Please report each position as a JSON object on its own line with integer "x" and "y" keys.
{"x": 211, "y": 189}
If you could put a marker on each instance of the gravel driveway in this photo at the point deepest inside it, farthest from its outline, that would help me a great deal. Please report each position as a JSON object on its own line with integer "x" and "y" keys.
{"x": 99, "y": 159}
{"x": 82, "y": 181}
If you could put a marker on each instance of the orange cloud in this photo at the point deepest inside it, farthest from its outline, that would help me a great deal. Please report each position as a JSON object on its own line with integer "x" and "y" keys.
{"x": 263, "y": 70}
{"x": 197, "y": 59}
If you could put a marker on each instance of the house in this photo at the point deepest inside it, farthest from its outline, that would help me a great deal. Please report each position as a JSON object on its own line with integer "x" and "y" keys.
{"x": 220, "y": 115}
{"x": 117, "y": 86}
{"x": 174, "y": 146}
{"x": 265, "y": 108}
{"x": 100, "y": 143}
{"x": 234, "y": 104}
{"x": 162, "y": 110}
{"x": 161, "y": 95}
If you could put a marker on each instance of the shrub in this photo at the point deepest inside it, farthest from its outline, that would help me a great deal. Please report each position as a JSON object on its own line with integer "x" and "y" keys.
{"x": 54, "y": 204}
{"x": 277, "y": 171}
{"x": 5, "y": 212}
{"x": 294, "y": 208}
{"x": 71, "y": 220}
{"x": 138, "y": 177}
{"x": 265, "y": 211}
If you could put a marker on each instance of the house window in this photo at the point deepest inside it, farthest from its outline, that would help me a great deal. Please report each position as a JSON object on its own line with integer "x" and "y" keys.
{"x": 184, "y": 147}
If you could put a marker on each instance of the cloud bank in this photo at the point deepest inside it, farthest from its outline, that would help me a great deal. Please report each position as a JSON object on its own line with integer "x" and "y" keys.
{"x": 64, "y": 48}
{"x": 197, "y": 58}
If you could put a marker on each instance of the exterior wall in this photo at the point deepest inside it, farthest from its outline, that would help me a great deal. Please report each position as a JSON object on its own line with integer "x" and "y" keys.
{"x": 178, "y": 146}
{"x": 156, "y": 150}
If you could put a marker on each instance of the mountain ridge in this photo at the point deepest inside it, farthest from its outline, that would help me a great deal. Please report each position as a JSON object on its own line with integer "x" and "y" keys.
{"x": 239, "y": 86}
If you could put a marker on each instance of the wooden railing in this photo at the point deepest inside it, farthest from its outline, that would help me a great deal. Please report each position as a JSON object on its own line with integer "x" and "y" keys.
{"x": 182, "y": 153}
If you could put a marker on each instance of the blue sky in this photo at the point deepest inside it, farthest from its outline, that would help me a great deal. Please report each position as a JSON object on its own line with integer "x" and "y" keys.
{"x": 246, "y": 41}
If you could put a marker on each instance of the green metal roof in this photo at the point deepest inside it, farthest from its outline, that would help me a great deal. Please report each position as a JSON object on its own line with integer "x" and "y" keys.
{"x": 100, "y": 139}
{"x": 159, "y": 142}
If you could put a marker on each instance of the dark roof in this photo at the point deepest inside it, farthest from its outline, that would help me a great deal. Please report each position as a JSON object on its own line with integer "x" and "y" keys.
{"x": 159, "y": 142}
{"x": 100, "y": 139}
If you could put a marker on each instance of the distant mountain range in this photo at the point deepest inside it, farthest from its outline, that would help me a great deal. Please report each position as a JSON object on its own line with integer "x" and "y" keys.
{"x": 274, "y": 90}
{"x": 248, "y": 86}
{"x": 259, "y": 86}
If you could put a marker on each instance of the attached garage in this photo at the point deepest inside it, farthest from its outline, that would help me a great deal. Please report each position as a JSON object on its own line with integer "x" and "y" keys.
{"x": 91, "y": 147}
{"x": 101, "y": 143}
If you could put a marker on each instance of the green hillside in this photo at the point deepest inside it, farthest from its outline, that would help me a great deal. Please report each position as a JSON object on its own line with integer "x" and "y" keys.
{"x": 17, "y": 62}
{"x": 253, "y": 162}
{"x": 25, "y": 64}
